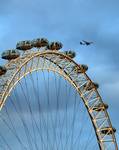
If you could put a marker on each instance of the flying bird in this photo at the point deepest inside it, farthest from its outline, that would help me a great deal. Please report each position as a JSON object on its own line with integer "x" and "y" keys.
{"x": 85, "y": 43}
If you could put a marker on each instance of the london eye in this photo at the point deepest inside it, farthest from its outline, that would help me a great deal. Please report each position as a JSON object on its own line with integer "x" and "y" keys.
{"x": 48, "y": 102}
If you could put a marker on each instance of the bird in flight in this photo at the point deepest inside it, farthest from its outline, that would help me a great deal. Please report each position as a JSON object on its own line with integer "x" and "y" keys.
{"x": 85, "y": 43}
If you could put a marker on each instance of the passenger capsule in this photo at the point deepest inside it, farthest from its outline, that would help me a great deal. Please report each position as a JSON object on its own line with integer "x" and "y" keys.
{"x": 10, "y": 54}
{"x": 108, "y": 130}
{"x": 40, "y": 42}
{"x": 84, "y": 68}
{"x": 96, "y": 85}
{"x": 2, "y": 70}
{"x": 71, "y": 54}
{"x": 24, "y": 45}
{"x": 100, "y": 107}
{"x": 81, "y": 69}
{"x": 90, "y": 86}
{"x": 55, "y": 46}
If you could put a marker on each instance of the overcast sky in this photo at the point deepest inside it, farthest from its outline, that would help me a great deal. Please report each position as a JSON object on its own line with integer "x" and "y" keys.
{"x": 70, "y": 21}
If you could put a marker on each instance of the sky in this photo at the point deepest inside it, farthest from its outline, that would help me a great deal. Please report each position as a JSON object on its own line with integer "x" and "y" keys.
{"x": 59, "y": 122}
{"x": 70, "y": 21}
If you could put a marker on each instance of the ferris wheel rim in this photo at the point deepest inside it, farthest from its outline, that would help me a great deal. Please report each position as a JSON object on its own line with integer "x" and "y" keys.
{"x": 41, "y": 54}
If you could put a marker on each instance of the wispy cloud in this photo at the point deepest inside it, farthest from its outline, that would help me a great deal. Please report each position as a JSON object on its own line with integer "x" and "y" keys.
{"x": 70, "y": 21}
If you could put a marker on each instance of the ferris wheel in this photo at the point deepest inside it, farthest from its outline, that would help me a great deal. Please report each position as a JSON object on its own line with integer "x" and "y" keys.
{"x": 48, "y": 102}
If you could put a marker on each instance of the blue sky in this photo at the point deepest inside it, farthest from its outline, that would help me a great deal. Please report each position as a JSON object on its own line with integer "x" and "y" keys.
{"x": 70, "y": 21}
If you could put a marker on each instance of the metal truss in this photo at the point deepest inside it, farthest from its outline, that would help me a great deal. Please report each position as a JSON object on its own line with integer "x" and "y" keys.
{"x": 62, "y": 64}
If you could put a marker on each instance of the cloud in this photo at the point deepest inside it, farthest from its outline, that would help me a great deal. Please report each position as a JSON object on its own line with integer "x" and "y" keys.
{"x": 70, "y": 22}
